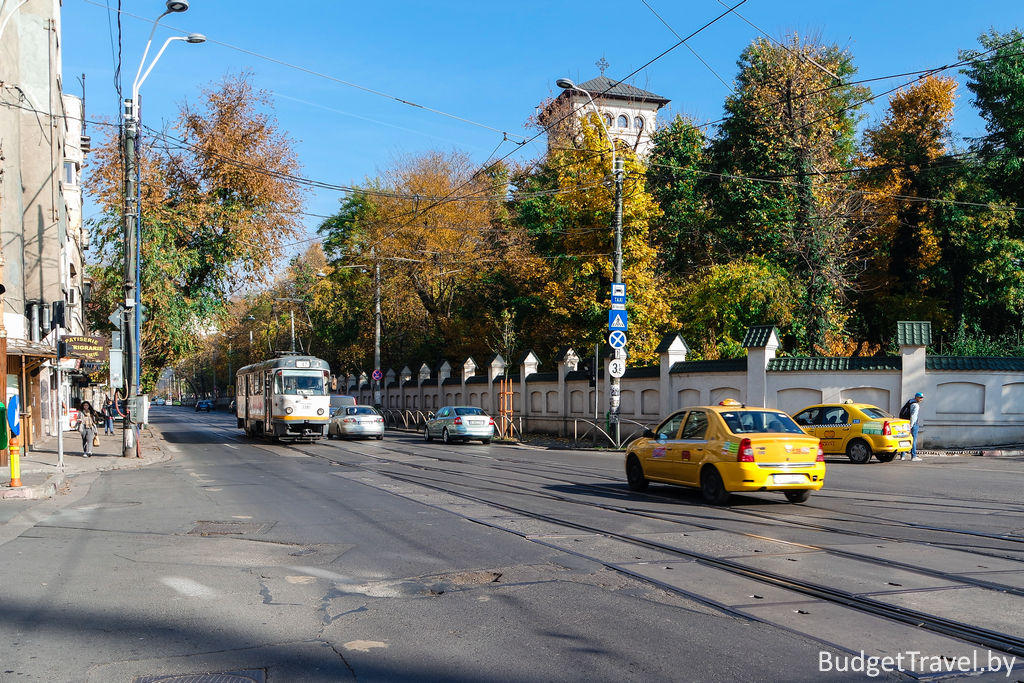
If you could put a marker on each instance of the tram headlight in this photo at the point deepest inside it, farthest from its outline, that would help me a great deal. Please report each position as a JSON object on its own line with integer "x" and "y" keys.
{"x": 288, "y": 410}
{"x": 320, "y": 411}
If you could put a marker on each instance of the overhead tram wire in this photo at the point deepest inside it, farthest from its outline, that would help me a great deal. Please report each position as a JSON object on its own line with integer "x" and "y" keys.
{"x": 334, "y": 79}
{"x": 920, "y": 75}
{"x": 573, "y": 111}
{"x": 688, "y": 46}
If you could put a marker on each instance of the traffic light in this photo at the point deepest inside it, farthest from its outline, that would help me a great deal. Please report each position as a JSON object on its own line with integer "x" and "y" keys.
{"x": 587, "y": 366}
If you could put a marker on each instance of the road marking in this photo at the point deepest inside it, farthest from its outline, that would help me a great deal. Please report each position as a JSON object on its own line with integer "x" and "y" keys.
{"x": 363, "y": 645}
{"x": 192, "y": 589}
{"x": 230, "y": 446}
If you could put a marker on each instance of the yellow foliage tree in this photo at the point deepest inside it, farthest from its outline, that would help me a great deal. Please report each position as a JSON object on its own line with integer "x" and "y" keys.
{"x": 582, "y": 271}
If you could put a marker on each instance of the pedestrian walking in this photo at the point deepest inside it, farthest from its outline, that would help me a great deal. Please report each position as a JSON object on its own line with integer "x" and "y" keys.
{"x": 87, "y": 426}
{"x": 913, "y": 411}
{"x": 108, "y": 416}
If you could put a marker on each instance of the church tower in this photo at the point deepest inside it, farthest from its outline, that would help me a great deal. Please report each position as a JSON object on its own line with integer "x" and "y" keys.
{"x": 629, "y": 113}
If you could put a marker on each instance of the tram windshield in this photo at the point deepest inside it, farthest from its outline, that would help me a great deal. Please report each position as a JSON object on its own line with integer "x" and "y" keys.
{"x": 299, "y": 383}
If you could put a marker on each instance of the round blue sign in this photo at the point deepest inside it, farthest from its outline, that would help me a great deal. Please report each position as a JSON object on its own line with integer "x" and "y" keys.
{"x": 378, "y": 375}
{"x": 13, "y": 417}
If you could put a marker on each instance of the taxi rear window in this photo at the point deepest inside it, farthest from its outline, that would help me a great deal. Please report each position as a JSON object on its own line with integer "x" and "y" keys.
{"x": 760, "y": 422}
{"x": 876, "y": 413}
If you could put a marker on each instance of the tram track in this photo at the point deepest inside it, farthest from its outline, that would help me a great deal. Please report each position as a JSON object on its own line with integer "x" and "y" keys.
{"x": 971, "y": 633}
{"x": 483, "y": 489}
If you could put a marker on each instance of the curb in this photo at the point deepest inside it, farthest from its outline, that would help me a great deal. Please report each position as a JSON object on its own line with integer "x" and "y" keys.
{"x": 47, "y": 489}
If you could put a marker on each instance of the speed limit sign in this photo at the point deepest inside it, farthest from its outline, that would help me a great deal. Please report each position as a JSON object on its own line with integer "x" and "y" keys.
{"x": 617, "y": 367}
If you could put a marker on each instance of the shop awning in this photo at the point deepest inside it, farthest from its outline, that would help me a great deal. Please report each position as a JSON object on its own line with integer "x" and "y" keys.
{"x": 25, "y": 347}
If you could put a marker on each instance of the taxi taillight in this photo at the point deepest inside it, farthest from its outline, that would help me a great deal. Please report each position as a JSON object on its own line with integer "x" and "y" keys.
{"x": 491, "y": 421}
{"x": 821, "y": 455}
{"x": 886, "y": 429}
{"x": 746, "y": 453}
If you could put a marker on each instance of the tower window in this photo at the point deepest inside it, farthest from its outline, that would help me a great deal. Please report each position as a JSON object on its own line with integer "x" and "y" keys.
{"x": 623, "y": 121}
{"x": 638, "y": 123}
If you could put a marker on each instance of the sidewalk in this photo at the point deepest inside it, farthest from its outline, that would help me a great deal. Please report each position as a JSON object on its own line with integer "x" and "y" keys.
{"x": 41, "y": 477}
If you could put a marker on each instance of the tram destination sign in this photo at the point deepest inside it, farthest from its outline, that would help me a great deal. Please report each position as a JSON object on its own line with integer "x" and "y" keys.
{"x": 89, "y": 349}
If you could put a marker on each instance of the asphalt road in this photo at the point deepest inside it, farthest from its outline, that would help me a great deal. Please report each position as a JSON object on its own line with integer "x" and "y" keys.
{"x": 401, "y": 560}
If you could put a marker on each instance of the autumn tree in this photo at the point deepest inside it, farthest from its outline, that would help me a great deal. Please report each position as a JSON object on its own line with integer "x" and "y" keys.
{"x": 218, "y": 208}
{"x": 784, "y": 146}
{"x": 568, "y": 207}
{"x": 450, "y": 260}
{"x": 902, "y": 154}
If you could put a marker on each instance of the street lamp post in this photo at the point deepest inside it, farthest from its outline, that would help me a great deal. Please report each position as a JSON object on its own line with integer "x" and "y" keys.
{"x": 133, "y": 234}
{"x": 613, "y": 394}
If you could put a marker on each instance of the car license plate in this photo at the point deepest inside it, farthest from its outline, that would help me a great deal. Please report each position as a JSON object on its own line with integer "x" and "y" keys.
{"x": 904, "y": 444}
{"x": 475, "y": 422}
{"x": 790, "y": 479}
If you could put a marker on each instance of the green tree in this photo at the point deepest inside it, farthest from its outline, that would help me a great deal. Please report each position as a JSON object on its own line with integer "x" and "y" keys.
{"x": 996, "y": 77}
{"x": 718, "y": 303}
{"x": 784, "y": 147}
{"x": 677, "y": 179}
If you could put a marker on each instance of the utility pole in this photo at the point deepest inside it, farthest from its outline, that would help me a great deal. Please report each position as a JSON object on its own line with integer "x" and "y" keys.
{"x": 613, "y": 395}
{"x": 376, "y": 323}
{"x": 130, "y": 141}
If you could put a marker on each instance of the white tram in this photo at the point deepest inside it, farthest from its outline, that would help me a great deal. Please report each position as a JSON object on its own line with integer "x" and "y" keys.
{"x": 284, "y": 398}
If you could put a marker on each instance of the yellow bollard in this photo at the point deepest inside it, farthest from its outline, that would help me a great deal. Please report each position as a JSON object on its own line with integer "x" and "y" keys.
{"x": 15, "y": 463}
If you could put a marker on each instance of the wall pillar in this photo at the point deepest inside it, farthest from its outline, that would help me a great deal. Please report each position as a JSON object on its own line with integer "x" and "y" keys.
{"x": 761, "y": 342}
{"x": 671, "y": 350}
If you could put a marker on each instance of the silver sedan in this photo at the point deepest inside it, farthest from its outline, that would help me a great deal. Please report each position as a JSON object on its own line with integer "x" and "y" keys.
{"x": 349, "y": 421}
{"x": 459, "y": 423}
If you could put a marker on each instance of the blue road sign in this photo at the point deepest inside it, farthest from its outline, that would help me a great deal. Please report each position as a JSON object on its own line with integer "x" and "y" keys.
{"x": 618, "y": 289}
{"x": 618, "y": 300}
{"x": 617, "y": 339}
{"x": 378, "y": 375}
{"x": 618, "y": 320}
{"x": 13, "y": 416}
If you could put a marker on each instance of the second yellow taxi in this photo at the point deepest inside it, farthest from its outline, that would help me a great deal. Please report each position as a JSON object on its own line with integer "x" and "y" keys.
{"x": 728, "y": 448}
{"x": 856, "y": 429}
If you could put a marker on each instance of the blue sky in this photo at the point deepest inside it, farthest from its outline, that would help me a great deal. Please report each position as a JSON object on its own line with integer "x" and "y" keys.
{"x": 486, "y": 62}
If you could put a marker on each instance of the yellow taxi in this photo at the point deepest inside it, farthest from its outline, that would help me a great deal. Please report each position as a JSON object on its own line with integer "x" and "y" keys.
{"x": 727, "y": 448}
{"x": 856, "y": 429}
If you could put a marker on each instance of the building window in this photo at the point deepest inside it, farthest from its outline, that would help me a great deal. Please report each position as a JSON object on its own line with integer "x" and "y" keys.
{"x": 623, "y": 121}
{"x": 638, "y": 123}
{"x": 608, "y": 120}
{"x": 70, "y": 173}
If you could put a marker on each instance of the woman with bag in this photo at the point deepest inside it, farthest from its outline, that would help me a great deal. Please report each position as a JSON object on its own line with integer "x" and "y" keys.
{"x": 87, "y": 426}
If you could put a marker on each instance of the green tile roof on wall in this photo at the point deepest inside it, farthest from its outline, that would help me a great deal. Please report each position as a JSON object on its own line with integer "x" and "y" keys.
{"x": 721, "y": 365}
{"x": 758, "y": 336}
{"x": 974, "y": 363}
{"x": 913, "y": 333}
{"x": 817, "y": 364}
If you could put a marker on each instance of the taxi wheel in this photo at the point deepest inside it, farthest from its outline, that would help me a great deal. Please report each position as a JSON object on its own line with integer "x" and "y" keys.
{"x": 485, "y": 441}
{"x": 379, "y": 437}
{"x": 858, "y": 451}
{"x": 330, "y": 434}
{"x": 712, "y": 487}
{"x": 426, "y": 435}
{"x": 635, "y": 475}
{"x": 885, "y": 457}
{"x": 798, "y": 496}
